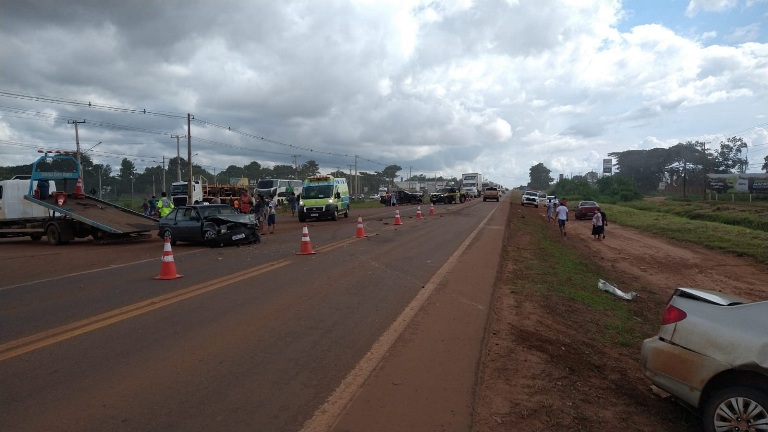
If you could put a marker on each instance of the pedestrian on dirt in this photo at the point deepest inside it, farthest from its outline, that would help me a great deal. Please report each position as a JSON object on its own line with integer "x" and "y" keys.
{"x": 562, "y": 217}
{"x": 145, "y": 207}
{"x": 387, "y": 199}
{"x": 293, "y": 203}
{"x": 597, "y": 225}
{"x": 245, "y": 202}
{"x": 394, "y": 199}
{"x": 164, "y": 206}
{"x": 550, "y": 211}
{"x": 272, "y": 208}
{"x": 605, "y": 221}
{"x": 215, "y": 199}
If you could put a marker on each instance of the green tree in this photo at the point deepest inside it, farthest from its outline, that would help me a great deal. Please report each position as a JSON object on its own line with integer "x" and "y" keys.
{"x": 540, "y": 178}
{"x": 390, "y": 173}
{"x": 765, "y": 164}
{"x": 729, "y": 156}
{"x": 309, "y": 168}
{"x": 253, "y": 171}
{"x": 284, "y": 171}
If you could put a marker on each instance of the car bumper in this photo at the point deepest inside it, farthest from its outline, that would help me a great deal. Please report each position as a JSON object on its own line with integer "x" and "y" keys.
{"x": 678, "y": 371}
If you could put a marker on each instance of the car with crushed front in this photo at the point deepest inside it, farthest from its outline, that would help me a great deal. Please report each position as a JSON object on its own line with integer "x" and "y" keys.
{"x": 212, "y": 224}
{"x": 586, "y": 209}
{"x": 711, "y": 354}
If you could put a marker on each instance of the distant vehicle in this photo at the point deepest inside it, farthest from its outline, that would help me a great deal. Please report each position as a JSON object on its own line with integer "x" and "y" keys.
{"x": 374, "y": 197}
{"x": 403, "y": 197}
{"x": 471, "y": 184}
{"x": 491, "y": 193}
{"x": 711, "y": 354}
{"x": 447, "y": 195}
{"x": 324, "y": 197}
{"x": 213, "y": 224}
{"x": 530, "y": 198}
{"x": 278, "y": 188}
{"x": 586, "y": 209}
{"x": 553, "y": 199}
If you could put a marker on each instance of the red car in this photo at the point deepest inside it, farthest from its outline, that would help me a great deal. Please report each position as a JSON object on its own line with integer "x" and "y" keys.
{"x": 586, "y": 209}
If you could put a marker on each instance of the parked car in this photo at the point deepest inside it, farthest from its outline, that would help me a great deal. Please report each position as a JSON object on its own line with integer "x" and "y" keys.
{"x": 213, "y": 224}
{"x": 375, "y": 197}
{"x": 447, "y": 195}
{"x": 530, "y": 198}
{"x": 586, "y": 209}
{"x": 553, "y": 199}
{"x": 711, "y": 354}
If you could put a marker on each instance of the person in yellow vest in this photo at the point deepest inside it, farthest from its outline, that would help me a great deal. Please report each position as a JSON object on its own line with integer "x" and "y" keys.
{"x": 164, "y": 205}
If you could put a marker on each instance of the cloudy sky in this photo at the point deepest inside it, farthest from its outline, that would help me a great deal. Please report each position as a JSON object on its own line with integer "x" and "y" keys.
{"x": 439, "y": 87}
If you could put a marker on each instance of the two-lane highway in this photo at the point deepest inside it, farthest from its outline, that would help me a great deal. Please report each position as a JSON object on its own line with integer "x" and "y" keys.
{"x": 251, "y": 338}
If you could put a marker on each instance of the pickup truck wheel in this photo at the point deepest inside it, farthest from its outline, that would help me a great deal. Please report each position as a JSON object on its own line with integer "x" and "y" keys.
{"x": 54, "y": 236}
{"x": 735, "y": 408}
{"x": 167, "y": 234}
{"x": 35, "y": 237}
{"x": 335, "y": 215}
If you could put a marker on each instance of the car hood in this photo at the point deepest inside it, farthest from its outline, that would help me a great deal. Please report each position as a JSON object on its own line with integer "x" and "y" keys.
{"x": 235, "y": 218}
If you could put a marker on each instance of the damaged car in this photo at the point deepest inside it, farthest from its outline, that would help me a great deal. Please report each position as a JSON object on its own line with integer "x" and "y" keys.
{"x": 212, "y": 224}
{"x": 711, "y": 354}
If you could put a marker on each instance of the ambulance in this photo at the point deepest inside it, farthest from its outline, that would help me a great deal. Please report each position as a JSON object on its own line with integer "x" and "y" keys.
{"x": 323, "y": 197}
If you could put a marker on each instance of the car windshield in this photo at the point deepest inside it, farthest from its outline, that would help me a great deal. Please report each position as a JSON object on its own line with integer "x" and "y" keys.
{"x": 315, "y": 192}
{"x": 530, "y": 193}
{"x": 587, "y": 204}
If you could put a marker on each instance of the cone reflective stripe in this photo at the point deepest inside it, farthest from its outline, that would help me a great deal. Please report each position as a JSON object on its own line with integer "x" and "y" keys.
{"x": 418, "y": 213}
{"x": 168, "y": 265}
{"x": 306, "y": 246}
{"x": 397, "y": 218}
{"x": 360, "y": 229}
{"x": 432, "y": 210}
{"x": 79, "y": 193}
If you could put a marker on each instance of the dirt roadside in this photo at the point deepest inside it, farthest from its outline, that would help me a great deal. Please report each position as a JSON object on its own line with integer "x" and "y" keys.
{"x": 543, "y": 370}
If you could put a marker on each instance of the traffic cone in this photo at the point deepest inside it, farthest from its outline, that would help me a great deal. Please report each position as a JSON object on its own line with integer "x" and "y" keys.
{"x": 418, "y": 213}
{"x": 431, "y": 209}
{"x": 79, "y": 193}
{"x": 397, "y": 218}
{"x": 306, "y": 246}
{"x": 168, "y": 266}
{"x": 360, "y": 229}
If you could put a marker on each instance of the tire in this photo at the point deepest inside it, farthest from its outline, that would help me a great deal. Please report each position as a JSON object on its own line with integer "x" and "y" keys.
{"x": 335, "y": 215}
{"x": 346, "y": 212}
{"x": 167, "y": 234}
{"x": 735, "y": 406}
{"x": 302, "y": 218}
{"x": 54, "y": 235}
{"x": 209, "y": 235}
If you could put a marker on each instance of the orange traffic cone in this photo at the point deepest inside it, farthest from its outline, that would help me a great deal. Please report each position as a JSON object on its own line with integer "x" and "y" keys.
{"x": 418, "y": 213}
{"x": 397, "y": 218}
{"x": 306, "y": 246}
{"x": 432, "y": 210}
{"x": 360, "y": 229}
{"x": 79, "y": 193}
{"x": 168, "y": 266}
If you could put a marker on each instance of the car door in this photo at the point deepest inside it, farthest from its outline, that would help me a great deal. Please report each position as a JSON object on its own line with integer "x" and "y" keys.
{"x": 188, "y": 225}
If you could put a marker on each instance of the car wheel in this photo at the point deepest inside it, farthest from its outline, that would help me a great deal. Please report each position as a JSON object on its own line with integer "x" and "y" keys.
{"x": 735, "y": 409}
{"x": 209, "y": 235}
{"x": 302, "y": 218}
{"x": 167, "y": 234}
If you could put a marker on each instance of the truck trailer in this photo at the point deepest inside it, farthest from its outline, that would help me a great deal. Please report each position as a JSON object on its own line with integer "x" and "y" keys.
{"x": 471, "y": 184}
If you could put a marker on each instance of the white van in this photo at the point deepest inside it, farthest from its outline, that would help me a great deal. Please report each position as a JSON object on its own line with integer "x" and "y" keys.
{"x": 277, "y": 187}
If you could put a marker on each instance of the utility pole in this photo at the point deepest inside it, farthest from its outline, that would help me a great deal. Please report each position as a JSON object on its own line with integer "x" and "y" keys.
{"x": 295, "y": 167}
{"x": 178, "y": 154}
{"x": 164, "y": 189}
{"x": 189, "y": 153}
{"x": 77, "y": 142}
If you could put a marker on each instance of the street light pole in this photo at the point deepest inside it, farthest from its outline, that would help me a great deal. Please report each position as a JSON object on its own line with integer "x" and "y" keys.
{"x": 178, "y": 154}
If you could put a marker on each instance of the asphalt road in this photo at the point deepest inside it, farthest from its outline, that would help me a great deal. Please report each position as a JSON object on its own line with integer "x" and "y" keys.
{"x": 251, "y": 338}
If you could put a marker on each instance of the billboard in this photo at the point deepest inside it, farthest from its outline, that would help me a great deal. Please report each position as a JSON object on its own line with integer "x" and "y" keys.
{"x": 607, "y": 166}
{"x": 738, "y": 183}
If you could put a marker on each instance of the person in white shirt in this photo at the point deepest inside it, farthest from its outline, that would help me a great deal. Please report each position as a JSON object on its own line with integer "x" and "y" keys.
{"x": 272, "y": 214}
{"x": 562, "y": 217}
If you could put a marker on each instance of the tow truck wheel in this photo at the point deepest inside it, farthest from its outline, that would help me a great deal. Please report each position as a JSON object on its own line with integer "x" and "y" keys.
{"x": 54, "y": 236}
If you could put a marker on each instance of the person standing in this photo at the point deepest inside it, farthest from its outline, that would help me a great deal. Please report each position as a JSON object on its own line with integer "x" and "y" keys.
{"x": 605, "y": 221}
{"x": 145, "y": 207}
{"x": 562, "y": 217}
{"x": 394, "y": 199}
{"x": 164, "y": 206}
{"x": 272, "y": 214}
{"x": 153, "y": 206}
{"x": 597, "y": 225}
{"x": 215, "y": 199}
{"x": 550, "y": 210}
{"x": 261, "y": 212}
{"x": 245, "y": 202}
{"x": 292, "y": 203}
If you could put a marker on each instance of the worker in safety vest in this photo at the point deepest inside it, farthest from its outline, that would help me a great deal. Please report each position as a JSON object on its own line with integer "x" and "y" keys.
{"x": 164, "y": 206}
